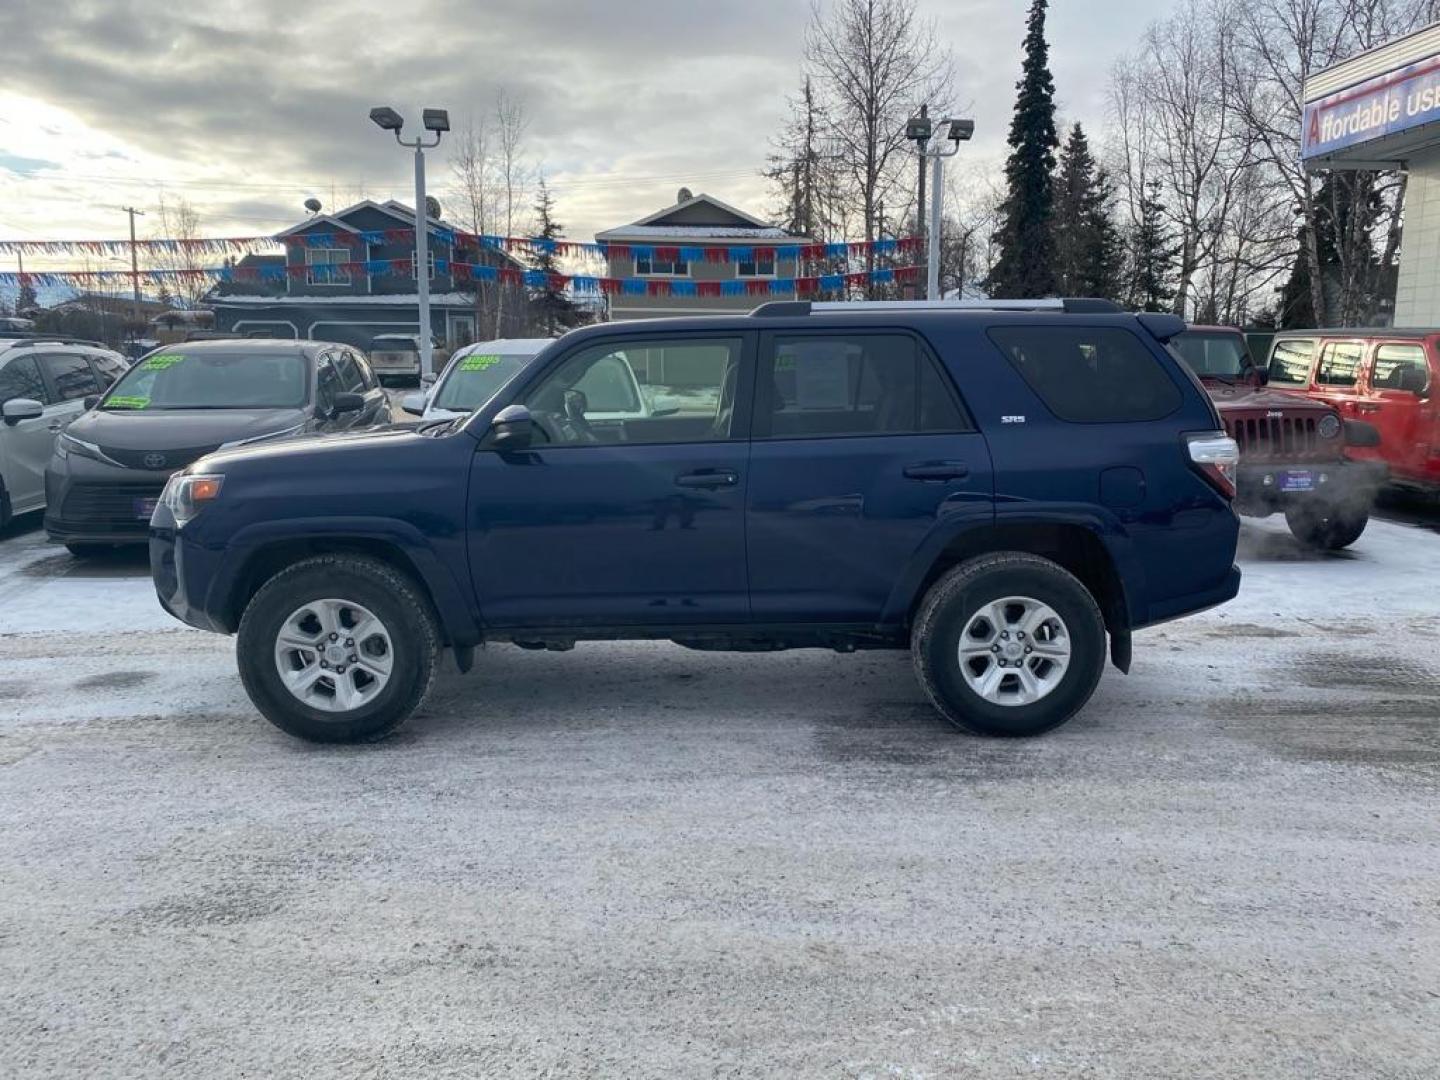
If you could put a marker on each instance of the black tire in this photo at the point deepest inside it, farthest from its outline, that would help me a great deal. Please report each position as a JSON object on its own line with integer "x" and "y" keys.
{"x": 390, "y": 595}
{"x": 959, "y": 595}
{"x": 1326, "y": 527}
{"x": 90, "y": 551}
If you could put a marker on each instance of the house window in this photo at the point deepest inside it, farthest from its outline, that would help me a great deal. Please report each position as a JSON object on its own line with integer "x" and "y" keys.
{"x": 321, "y": 261}
{"x": 429, "y": 258}
{"x": 653, "y": 267}
{"x": 761, "y": 268}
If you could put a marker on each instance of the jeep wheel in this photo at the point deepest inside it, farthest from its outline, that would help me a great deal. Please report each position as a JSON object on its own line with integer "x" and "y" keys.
{"x": 337, "y": 648}
{"x": 1329, "y": 528}
{"x": 1008, "y": 644}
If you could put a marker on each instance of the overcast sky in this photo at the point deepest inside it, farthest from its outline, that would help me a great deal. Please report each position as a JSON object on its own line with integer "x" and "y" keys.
{"x": 246, "y": 107}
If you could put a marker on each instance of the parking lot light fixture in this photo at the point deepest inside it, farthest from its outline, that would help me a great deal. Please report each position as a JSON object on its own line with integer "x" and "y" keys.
{"x": 436, "y": 122}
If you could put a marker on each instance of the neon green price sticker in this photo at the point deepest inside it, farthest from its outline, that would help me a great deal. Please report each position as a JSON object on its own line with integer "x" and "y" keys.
{"x": 124, "y": 401}
{"x": 478, "y": 363}
{"x": 161, "y": 362}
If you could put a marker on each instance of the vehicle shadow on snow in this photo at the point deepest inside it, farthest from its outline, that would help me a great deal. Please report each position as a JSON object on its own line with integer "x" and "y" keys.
{"x": 131, "y": 561}
{"x": 1261, "y": 546}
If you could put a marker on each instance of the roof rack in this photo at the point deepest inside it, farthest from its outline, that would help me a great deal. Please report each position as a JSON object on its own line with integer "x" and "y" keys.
{"x": 51, "y": 339}
{"x": 1070, "y": 305}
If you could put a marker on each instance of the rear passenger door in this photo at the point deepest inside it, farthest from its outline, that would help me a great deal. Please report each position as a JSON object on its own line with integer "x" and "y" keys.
{"x": 860, "y": 446}
{"x": 1337, "y": 376}
{"x": 1398, "y": 377}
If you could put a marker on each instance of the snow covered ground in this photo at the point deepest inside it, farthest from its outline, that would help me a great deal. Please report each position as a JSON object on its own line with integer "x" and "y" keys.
{"x": 636, "y": 860}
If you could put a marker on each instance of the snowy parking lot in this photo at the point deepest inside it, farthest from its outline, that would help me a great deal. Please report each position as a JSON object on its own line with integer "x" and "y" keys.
{"x": 636, "y": 860}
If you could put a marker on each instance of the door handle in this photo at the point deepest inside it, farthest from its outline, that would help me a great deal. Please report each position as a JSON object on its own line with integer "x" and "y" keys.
{"x": 708, "y": 478}
{"x": 937, "y": 470}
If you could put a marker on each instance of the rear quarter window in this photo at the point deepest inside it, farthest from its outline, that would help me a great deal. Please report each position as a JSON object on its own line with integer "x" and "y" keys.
{"x": 1090, "y": 375}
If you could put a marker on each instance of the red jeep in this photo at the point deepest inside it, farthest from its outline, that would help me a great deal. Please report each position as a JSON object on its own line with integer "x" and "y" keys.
{"x": 1292, "y": 449}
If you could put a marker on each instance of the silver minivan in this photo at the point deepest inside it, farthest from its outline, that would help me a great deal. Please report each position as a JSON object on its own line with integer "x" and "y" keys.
{"x": 43, "y": 386}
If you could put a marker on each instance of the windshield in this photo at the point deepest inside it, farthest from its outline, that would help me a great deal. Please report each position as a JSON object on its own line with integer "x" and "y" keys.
{"x": 213, "y": 379}
{"x": 473, "y": 380}
{"x": 1215, "y": 355}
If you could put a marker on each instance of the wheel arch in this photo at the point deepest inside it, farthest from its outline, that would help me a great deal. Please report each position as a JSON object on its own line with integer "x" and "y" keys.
{"x": 268, "y": 551}
{"x": 1080, "y": 546}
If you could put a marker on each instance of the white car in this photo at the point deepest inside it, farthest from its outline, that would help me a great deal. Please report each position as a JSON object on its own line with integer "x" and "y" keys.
{"x": 472, "y": 377}
{"x": 44, "y": 383}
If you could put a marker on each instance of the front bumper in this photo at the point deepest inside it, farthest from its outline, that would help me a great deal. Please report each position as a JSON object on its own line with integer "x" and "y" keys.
{"x": 180, "y": 569}
{"x": 1263, "y": 489}
{"x": 92, "y": 502}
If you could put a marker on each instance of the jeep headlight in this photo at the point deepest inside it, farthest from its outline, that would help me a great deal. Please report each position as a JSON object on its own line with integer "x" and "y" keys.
{"x": 1329, "y": 426}
{"x": 185, "y": 496}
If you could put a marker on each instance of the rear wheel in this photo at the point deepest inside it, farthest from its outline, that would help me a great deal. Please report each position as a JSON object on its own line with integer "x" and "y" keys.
{"x": 1008, "y": 644}
{"x": 1321, "y": 525}
{"x": 337, "y": 648}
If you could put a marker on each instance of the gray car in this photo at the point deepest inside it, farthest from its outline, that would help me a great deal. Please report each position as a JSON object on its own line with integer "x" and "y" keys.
{"x": 44, "y": 382}
{"x": 182, "y": 402}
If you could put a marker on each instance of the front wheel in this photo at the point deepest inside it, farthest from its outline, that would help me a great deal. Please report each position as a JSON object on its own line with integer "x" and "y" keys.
{"x": 337, "y": 648}
{"x": 1009, "y": 644}
{"x": 1326, "y": 527}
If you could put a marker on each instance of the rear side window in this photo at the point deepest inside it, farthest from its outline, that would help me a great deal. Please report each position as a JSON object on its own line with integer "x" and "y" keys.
{"x": 1339, "y": 363}
{"x": 1290, "y": 361}
{"x": 1400, "y": 367}
{"x": 350, "y": 377}
{"x": 820, "y": 385}
{"x": 1090, "y": 375}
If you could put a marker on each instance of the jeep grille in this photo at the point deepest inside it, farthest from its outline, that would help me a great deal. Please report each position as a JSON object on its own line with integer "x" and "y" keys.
{"x": 1277, "y": 437}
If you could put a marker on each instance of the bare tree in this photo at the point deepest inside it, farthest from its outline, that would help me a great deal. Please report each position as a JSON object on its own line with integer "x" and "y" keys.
{"x": 473, "y": 189}
{"x": 514, "y": 173}
{"x": 175, "y": 219}
{"x": 873, "y": 62}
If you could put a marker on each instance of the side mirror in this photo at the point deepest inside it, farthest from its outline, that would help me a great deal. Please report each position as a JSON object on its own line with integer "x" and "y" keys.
{"x": 414, "y": 404}
{"x": 91, "y": 401}
{"x": 512, "y": 428}
{"x": 347, "y": 401}
{"x": 22, "y": 408}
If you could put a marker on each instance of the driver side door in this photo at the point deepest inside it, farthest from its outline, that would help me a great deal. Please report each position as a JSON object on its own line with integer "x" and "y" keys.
{"x": 608, "y": 520}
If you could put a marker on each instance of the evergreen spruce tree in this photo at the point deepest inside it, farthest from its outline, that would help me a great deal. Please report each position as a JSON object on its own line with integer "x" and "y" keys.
{"x": 1087, "y": 245}
{"x": 1025, "y": 266}
{"x": 1152, "y": 256}
{"x": 553, "y": 310}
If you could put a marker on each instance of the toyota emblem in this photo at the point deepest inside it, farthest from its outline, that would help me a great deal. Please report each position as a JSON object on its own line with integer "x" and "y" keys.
{"x": 154, "y": 461}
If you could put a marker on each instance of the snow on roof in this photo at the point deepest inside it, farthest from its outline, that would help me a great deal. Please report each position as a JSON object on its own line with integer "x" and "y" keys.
{"x": 391, "y": 299}
{"x": 654, "y": 232}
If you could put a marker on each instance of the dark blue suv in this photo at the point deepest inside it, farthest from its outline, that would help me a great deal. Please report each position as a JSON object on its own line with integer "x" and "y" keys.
{"x": 998, "y": 490}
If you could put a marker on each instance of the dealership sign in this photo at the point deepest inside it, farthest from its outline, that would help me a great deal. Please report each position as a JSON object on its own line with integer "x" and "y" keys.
{"x": 1378, "y": 107}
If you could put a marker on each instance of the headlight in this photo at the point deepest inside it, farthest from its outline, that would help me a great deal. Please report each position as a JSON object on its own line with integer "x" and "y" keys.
{"x": 1329, "y": 426}
{"x": 185, "y": 496}
{"x": 65, "y": 445}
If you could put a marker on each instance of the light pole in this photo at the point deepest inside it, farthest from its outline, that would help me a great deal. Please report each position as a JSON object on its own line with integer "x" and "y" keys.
{"x": 918, "y": 131}
{"x": 958, "y": 131}
{"x": 436, "y": 121}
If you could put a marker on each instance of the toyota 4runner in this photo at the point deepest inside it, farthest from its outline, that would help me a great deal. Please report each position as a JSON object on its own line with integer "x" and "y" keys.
{"x": 998, "y": 490}
{"x": 1292, "y": 449}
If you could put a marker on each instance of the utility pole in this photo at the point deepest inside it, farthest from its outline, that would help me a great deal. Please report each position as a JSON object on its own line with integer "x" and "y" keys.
{"x": 134, "y": 267}
{"x": 920, "y": 158}
{"x": 958, "y": 131}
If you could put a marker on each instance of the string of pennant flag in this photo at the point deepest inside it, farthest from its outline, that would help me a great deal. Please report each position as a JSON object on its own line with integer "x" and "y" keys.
{"x": 581, "y": 284}
{"x": 512, "y": 245}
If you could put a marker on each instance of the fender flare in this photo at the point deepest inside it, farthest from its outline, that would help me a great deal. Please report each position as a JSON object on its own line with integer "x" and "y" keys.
{"x": 1105, "y": 527}
{"x": 460, "y": 621}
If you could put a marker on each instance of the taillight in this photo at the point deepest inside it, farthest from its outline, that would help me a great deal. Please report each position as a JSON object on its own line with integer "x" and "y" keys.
{"x": 1216, "y": 456}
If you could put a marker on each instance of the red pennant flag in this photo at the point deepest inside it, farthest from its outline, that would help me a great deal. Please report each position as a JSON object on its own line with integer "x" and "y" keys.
{"x": 707, "y": 288}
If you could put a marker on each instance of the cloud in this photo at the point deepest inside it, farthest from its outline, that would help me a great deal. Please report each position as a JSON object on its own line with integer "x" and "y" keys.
{"x": 247, "y": 107}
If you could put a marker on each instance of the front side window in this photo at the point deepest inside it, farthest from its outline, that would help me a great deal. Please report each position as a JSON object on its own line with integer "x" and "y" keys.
{"x": 21, "y": 379}
{"x": 213, "y": 379}
{"x": 1400, "y": 367}
{"x": 70, "y": 375}
{"x": 816, "y": 386}
{"x": 1090, "y": 375}
{"x": 596, "y": 396}
{"x": 1339, "y": 363}
{"x": 325, "y": 266}
{"x": 1290, "y": 361}
{"x": 653, "y": 267}
{"x": 350, "y": 378}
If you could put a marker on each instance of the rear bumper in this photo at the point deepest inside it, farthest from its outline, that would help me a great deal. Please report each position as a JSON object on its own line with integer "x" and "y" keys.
{"x": 1179, "y": 606}
{"x": 1260, "y": 488}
